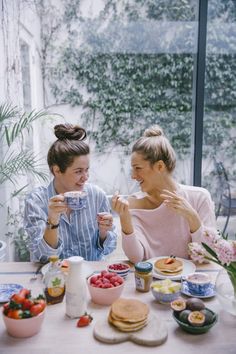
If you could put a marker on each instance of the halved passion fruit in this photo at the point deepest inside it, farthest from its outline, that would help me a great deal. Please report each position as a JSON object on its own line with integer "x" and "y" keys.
{"x": 196, "y": 318}
{"x": 178, "y": 305}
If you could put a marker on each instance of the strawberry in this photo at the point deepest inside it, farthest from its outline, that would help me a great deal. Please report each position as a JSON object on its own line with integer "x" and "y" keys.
{"x": 84, "y": 320}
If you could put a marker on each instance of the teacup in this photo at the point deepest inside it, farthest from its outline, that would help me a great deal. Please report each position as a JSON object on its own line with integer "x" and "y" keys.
{"x": 74, "y": 199}
{"x": 198, "y": 283}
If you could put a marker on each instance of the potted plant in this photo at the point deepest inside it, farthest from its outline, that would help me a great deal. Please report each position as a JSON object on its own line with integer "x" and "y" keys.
{"x": 16, "y": 160}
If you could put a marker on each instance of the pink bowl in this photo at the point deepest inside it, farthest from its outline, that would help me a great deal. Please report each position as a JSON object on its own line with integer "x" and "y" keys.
{"x": 25, "y": 327}
{"x": 102, "y": 296}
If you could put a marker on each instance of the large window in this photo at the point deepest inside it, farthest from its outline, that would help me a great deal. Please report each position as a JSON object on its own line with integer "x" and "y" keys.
{"x": 220, "y": 101}
{"x": 128, "y": 65}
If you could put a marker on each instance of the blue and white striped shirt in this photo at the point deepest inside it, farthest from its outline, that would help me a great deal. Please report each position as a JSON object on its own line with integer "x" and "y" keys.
{"x": 78, "y": 234}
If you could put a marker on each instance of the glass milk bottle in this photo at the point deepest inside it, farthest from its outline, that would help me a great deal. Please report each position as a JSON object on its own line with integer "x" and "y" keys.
{"x": 76, "y": 299}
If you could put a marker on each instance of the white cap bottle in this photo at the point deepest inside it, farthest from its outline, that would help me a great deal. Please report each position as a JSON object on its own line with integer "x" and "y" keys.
{"x": 76, "y": 291}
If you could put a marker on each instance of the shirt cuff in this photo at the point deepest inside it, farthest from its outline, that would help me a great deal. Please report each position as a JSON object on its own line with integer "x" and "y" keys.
{"x": 107, "y": 240}
{"x": 197, "y": 235}
{"x": 51, "y": 250}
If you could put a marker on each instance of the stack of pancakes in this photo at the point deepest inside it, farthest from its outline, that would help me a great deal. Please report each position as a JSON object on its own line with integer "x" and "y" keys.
{"x": 168, "y": 266}
{"x": 128, "y": 315}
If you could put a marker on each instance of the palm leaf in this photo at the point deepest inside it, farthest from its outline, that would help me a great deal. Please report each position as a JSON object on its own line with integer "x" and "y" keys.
{"x": 21, "y": 163}
{"x": 8, "y": 112}
{"x": 24, "y": 123}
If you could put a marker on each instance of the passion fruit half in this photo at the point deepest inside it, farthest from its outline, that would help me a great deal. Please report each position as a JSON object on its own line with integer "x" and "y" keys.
{"x": 195, "y": 304}
{"x": 196, "y": 318}
{"x": 178, "y": 305}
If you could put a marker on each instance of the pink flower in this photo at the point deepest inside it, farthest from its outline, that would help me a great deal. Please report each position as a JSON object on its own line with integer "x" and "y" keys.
{"x": 225, "y": 251}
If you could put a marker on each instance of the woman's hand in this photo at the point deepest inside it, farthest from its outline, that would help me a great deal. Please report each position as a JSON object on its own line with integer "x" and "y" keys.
{"x": 56, "y": 207}
{"x": 105, "y": 222}
{"x": 181, "y": 206}
{"x": 121, "y": 207}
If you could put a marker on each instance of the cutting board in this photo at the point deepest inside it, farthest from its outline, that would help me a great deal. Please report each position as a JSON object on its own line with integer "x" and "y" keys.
{"x": 153, "y": 334}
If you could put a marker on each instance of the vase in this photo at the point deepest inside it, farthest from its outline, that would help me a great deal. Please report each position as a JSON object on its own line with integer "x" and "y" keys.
{"x": 226, "y": 290}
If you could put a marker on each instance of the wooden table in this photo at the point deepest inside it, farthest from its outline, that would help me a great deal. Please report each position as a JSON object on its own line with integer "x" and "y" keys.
{"x": 59, "y": 333}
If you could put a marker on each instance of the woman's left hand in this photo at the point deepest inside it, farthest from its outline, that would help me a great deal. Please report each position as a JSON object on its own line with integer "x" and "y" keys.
{"x": 181, "y": 206}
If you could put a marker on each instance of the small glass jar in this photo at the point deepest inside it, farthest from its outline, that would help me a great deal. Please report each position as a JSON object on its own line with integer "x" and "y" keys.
{"x": 143, "y": 276}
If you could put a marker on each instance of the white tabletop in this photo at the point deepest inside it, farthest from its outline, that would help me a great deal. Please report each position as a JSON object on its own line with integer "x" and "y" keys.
{"x": 59, "y": 333}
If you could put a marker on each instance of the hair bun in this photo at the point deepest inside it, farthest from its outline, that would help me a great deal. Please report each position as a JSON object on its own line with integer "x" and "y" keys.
{"x": 69, "y": 131}
{"x": 155, "y": 130}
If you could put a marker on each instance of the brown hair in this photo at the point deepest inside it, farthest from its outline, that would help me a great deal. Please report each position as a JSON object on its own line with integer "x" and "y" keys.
{"x": 68, "y": 145}
{"x": 154, "y": 146}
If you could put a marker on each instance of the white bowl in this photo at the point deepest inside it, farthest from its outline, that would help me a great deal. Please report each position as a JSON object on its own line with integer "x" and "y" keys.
{"x": 165, "y": 291}
{"x": 122, "y": 272}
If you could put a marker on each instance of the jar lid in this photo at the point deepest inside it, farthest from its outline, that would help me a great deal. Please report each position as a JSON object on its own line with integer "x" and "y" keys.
{"x": 144, "y": 267}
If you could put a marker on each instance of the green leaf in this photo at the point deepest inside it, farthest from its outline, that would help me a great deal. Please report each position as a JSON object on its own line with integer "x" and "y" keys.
{"x": 210, "y": 251}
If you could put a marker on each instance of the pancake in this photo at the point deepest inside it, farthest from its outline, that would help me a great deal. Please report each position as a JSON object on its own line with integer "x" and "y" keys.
{"x": 126, "y": 326}
{"x": 168, "y": 266}
{"x": 128, "y": 315}
{"x": 131, "y": 310}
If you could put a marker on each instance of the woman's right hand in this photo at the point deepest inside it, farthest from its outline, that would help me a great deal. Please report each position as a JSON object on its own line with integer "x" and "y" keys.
{"x": 120, "y": 205}
{"x": 56, "y": 207}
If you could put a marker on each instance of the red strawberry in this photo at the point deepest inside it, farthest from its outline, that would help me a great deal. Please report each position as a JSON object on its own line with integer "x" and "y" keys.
{"x": 84, "y": 320}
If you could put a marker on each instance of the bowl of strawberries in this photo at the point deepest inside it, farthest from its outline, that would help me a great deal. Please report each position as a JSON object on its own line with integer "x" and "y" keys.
{"x": 105, "y": 287}
{"x": 23, "y": 315}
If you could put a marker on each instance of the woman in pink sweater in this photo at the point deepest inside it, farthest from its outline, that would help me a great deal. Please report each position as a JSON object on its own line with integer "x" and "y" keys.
{"x": 163, "y": 218}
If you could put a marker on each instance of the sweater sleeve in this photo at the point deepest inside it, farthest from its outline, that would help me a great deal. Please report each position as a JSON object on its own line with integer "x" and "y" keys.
{"x": 205, "y": 209}
{"x": 135, "y": 245}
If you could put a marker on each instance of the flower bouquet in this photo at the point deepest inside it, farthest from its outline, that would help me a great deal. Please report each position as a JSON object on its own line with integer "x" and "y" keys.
{"x": 218, "y": 249}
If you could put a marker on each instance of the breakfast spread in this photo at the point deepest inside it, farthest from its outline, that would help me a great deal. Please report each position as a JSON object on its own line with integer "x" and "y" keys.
{"x": 128, "y": 315}
{"x": 168, "y": 266}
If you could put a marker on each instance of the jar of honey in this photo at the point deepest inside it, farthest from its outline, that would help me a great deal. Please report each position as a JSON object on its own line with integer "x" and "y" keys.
{"x": 143, "y": 276}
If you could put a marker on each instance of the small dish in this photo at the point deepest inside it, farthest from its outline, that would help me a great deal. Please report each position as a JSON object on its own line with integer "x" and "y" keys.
{"x": 119, "y": 268}
{"x": 195, "y": 329}
{"x": 7, "y": 290}
{"x": 164, "y": 298}
{"x": 209, "y": 293}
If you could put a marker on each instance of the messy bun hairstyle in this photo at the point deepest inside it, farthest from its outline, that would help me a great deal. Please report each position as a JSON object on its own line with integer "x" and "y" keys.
{"x": 69, "y": 144}
{"x": 154, "y": 146}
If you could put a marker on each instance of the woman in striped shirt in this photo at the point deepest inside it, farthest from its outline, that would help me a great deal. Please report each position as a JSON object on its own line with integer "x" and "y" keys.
{"x": 54, "y": 228}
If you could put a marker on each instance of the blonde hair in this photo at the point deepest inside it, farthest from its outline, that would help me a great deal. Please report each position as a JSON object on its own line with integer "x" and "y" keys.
{"x": 154, "y": 146}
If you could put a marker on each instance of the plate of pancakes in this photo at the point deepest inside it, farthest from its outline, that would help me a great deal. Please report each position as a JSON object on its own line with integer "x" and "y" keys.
{"x": 171, "y": 267}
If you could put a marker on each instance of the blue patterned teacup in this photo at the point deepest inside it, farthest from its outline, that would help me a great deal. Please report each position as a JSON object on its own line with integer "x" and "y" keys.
{"x": 198, "y": 283}
{"x": 75, "y": 199}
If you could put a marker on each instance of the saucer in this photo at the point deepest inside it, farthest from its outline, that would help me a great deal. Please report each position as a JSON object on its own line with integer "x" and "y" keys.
{"x": 209, "y": 293}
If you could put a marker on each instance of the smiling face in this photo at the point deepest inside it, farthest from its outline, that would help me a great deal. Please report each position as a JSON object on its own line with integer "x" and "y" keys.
{"x": 150, "y": 177}
{"x": 75, "y": 176}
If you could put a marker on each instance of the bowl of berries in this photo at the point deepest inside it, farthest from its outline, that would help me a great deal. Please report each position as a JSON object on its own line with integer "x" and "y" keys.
{"x": 121, "y": 269}
{"x": 23, "y": 315}
{"x": 105, "y": 287}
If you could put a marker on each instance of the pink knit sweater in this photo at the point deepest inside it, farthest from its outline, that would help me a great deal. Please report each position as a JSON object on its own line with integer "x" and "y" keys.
{"x": 162, "y": 232}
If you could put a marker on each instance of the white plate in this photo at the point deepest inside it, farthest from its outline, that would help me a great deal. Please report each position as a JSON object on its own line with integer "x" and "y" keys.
{"x": 185, "y": 290}
{"x": 7, "y": 290}
{"x": 188, "y": 268}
